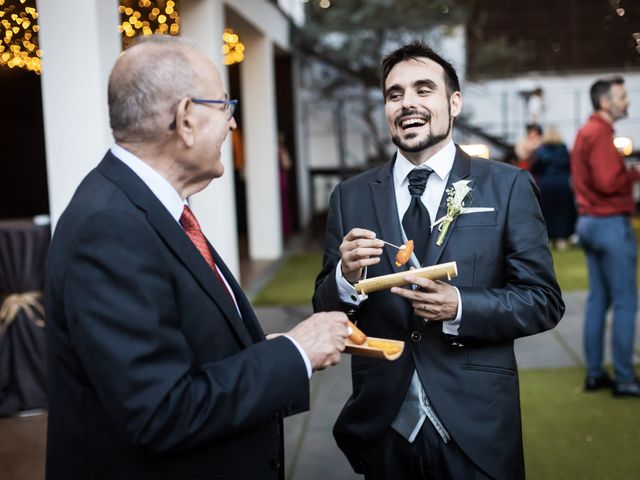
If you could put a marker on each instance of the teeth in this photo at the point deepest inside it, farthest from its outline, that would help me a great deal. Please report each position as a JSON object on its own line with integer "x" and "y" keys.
{"x": 413, "y": 122}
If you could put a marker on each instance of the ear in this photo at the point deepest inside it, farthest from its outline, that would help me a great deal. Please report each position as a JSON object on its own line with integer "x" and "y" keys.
{"x": 455, "y": 103}
{"x": 185, "y": 122}
{"x": 605, "y": 102}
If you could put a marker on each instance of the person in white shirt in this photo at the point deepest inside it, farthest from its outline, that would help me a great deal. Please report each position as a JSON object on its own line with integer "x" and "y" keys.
{"x": 158, "y": 367}
{"x": 448, "y": 407}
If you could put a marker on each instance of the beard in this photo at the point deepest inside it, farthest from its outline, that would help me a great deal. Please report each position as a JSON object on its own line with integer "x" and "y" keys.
{"x": 428, "y": 142}
{"x": 431, "y": 139}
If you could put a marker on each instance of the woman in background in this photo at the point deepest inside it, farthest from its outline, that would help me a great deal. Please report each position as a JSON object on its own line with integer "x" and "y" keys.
{"x": 550, "y": 167}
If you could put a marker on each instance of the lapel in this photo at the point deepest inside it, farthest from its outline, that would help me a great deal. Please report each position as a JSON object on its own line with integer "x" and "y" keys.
{"x": 460, "y": 170}
{"x": 248, "y": 315}
{"x": 386, "y": 211}
{"x": 166, "y": 226}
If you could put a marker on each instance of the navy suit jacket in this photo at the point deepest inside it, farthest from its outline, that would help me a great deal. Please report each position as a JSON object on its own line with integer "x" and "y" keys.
{"x": 152, "y": 372}
{"x": 508, "y": 290}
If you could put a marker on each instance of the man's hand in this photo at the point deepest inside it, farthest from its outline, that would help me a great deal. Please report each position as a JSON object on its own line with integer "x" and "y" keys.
{"x": 359, "y": 249}
{"x": 434, "y": 300}
{"x": 321, "y": 336}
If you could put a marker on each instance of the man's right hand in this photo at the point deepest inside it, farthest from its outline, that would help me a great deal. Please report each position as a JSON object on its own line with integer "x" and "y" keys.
{"x": 321, "y": 336}
{"x": 359, "y": 249}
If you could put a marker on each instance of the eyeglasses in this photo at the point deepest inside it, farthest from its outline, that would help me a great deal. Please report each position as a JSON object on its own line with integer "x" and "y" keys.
{"x": 229, "y": 107}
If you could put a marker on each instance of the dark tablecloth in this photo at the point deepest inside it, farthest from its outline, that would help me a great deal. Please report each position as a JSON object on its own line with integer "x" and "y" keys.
{"x": 23, "y": 251}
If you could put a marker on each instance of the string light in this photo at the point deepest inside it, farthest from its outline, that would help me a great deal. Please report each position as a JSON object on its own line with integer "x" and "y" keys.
{"x": 232, "y": 48}
{"x": 146, "y": 17}
{"x": 19, "y": 36}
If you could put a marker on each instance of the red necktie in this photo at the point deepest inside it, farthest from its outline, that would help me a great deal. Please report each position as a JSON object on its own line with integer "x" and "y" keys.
{"x": 193, "y": 231}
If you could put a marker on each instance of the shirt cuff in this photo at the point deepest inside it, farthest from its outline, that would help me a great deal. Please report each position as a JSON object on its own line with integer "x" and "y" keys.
{"x": 307, "y": 362}
{"x": 346, "y": 291}
{"x": 452, "y": 327}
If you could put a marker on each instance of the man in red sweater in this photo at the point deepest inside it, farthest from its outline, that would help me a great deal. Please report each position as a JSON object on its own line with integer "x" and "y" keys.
{"x": 603, "y": 187}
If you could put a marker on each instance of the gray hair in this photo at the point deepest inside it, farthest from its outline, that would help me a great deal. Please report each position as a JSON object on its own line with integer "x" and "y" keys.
{"x": 147, "y": 83}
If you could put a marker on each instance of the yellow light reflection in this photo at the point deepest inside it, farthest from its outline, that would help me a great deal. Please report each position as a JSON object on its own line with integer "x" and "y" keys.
{"x": 19, "y": 41}
{"x": 146, "y": 17}
{"x": 624, "y": 145}
{"x": 232, "y": 48}
{"x": 476, "y": 150}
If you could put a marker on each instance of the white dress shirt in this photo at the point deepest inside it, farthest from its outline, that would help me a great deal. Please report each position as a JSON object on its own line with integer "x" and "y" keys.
{"x": 441, "y": 164}
{"x": 170, "y": 198}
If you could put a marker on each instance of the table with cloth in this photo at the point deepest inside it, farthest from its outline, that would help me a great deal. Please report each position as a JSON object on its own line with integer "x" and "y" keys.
{"x": 23, "y": 251}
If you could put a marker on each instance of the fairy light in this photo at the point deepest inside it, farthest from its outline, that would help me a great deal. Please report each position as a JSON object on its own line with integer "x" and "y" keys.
{"x": 19, "y": 35}
{"x": 147, "y": 17}
{"x": 232, "y": 48}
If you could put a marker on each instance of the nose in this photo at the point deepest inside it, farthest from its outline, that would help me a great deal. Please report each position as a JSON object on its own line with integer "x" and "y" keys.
{"x": 408, "y": 100}
{"x": 232, "y": 124}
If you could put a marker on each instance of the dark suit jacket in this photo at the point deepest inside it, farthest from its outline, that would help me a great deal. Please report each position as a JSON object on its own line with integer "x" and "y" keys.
{"x": 508, "y": 290}
{"x": 152, "y": 372}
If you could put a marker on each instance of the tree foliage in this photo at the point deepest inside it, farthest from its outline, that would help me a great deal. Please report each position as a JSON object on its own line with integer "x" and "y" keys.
{"x": 352, "y": 35}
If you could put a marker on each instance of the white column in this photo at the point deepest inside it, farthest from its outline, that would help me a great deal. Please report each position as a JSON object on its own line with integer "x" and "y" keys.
{"x": 257, "y": 77}
{"x": 302, "y": 128}
{"x": 202, "y": 21}
{"x": 80, "y": 43}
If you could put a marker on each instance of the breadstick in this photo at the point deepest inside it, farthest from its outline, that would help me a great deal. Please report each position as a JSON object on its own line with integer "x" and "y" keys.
{"x": 356, "y": 335}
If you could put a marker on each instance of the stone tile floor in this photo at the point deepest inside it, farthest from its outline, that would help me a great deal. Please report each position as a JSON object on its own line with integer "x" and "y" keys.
{"x": 311, "y": 453}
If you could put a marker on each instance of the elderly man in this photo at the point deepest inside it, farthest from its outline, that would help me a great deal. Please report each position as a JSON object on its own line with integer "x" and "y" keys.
{"x": 158, "y": 367}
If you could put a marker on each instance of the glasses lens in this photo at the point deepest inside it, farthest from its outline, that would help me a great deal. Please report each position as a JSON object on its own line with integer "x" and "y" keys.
{"x": 231, "y": 108}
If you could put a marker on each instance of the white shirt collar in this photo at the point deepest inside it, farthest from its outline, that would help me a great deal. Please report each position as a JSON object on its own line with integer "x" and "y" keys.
{"x": 159, "y": 185}
{"x": 441, "y": 163}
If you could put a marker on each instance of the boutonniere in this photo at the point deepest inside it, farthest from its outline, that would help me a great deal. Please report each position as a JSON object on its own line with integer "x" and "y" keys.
{"x": 457, "y": 193}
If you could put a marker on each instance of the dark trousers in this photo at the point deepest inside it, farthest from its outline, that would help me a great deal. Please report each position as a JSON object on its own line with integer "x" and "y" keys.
{"x": 427, "y": 458}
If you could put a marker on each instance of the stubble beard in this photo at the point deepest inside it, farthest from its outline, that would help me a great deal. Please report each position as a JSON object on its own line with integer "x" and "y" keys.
{"x": 425, "y": 144}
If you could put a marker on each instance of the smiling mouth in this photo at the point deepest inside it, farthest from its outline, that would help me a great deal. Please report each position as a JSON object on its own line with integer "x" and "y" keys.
{"x": 408, "y": 124}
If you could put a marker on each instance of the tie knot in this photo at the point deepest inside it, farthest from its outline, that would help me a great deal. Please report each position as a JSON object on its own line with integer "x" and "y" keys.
{"x": 418, "y": 181}
{"x": 188, "y": 220}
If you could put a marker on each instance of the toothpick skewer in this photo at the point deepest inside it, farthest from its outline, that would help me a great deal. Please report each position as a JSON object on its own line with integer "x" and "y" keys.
{"x": 392, "y": 245}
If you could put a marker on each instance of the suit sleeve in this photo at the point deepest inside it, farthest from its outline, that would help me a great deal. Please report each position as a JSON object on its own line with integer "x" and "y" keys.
{"x": 122, "y": 313}
{"x": 326, "y": 296}
{"x": 530, "y": 302}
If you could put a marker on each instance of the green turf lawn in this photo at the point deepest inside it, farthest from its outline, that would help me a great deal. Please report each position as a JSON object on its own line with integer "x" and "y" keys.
{"x": 570, "y": 434}
{"x": 293, "y": 284}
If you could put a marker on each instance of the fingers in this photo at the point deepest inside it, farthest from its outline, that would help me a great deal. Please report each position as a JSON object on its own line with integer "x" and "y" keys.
{"x": 433, "y": 301}
{"x": 356, "y": 233}
{"x": 358, "y": 250}
{"x": 322, "y": 337}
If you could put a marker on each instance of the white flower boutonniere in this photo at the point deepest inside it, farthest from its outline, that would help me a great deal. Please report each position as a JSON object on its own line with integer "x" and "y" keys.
{"x": 457, "y": 193}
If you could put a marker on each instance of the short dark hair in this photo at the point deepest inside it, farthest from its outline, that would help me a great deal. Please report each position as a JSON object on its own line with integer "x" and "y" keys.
{"x": 414, "y": 51}
{"x": 533, "y": 127}
{"x": 602, "y": 88}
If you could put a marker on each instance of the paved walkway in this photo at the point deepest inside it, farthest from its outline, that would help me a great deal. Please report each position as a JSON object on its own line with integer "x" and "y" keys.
{"x": 310, "y": 449}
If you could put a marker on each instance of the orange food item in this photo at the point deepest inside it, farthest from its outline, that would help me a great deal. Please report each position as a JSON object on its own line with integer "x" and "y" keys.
{"x": 404, "y": 254}
{"x": 357, "y": 336}
{"x": 387, "y": 347}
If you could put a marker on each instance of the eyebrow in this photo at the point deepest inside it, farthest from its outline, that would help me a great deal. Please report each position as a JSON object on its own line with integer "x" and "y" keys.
{"x": 418, "y": 83}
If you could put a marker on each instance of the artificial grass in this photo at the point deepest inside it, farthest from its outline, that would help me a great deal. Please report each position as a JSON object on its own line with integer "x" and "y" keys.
{"x": 571, "y": 434}
{"x": 568, "y": 434}
{"x": 293, "y": 284}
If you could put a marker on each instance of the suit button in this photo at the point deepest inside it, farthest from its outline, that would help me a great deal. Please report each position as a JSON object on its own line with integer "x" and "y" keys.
{"x": 415, "y": 336}
{"x": 275, "y": 463}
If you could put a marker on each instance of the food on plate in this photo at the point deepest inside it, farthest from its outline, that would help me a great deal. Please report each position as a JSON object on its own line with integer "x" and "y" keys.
{"x": 404, "y": 253}
{"x": 390, "y": 348}
{"x": 356, "y": 335}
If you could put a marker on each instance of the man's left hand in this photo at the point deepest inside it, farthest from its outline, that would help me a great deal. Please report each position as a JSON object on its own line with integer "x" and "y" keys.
{"x": 433, "y": 300}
